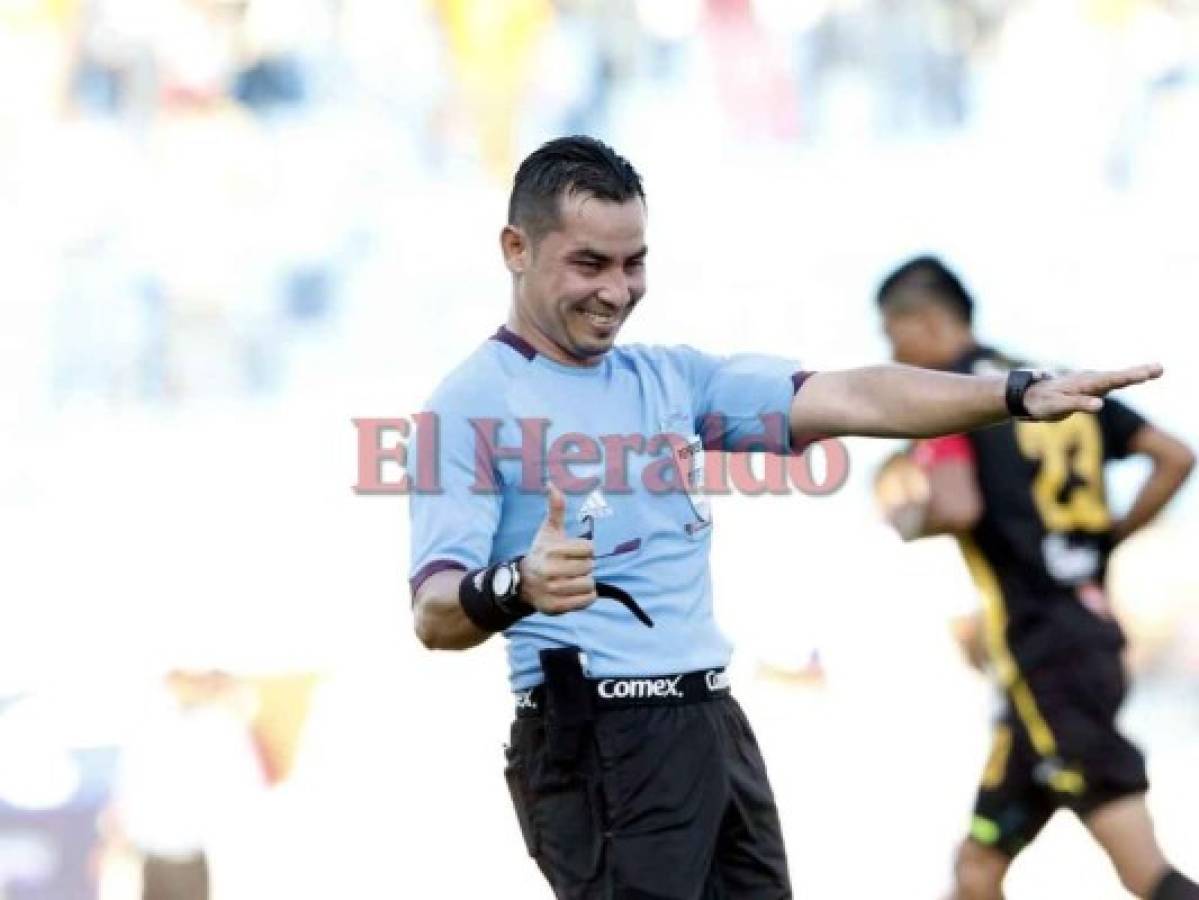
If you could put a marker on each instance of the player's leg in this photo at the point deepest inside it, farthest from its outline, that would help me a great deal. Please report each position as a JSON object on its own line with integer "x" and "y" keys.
{"x": 558, "y": 806}
{"x": 1009, "y": 813}
{"x": 750, "y": 862}
{"x": 635, "y": 815}
{"x": 978, "y": 872}
{"x": 666, "y": 791}
{"x": 618, "y": 803}
{"x": 1125, "y": 831}
{"x": 1107, "y": 782}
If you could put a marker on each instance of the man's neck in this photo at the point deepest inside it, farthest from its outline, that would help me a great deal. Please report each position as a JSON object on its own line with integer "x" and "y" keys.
{"x": 957, "y": 348}
{"x": 533, "y": 336}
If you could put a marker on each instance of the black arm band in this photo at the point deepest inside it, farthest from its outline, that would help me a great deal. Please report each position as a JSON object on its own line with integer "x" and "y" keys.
{"x": 1018, "y": 383}
{"x": 482, "y": 607}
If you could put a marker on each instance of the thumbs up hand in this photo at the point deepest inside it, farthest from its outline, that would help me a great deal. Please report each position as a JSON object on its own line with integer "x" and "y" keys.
{"x": 557, "y": 574}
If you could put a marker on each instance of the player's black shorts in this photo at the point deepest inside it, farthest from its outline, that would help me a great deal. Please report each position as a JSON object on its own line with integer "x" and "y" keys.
{"x": 661, "y": 801}
{"x": 1057, "y": 745}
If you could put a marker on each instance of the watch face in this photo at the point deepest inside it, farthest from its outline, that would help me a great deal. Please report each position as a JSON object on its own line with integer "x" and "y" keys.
{"x": 501, "y": 581}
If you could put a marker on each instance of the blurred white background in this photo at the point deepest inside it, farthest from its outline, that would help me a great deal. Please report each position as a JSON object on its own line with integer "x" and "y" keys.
{"x": 228, "y": 228}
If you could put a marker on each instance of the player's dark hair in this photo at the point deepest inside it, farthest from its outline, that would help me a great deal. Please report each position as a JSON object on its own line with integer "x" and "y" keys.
{"x": 575, "y": 164}
{"x": 932, "y": 277}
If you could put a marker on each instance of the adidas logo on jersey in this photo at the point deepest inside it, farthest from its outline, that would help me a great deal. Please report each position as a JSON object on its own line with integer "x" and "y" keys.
{"x": 595, "y": 506}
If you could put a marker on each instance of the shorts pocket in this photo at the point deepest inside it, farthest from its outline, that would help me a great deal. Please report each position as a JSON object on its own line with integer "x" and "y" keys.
{"x": 567, "y": 819}
{"x": 516, "y": 777}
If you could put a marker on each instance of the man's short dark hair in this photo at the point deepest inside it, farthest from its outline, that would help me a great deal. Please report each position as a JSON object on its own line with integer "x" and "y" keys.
{"x": 934, "y": 280}
{"x": 576, "y": 164}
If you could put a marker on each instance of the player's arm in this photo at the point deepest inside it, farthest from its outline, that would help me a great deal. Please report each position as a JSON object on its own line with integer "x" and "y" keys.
{"x": 1172, "y": 462}
{"x": 438, "y": 617}
{"x": 955, "y": 502}
{"x": 969, "y": 633}
{"x": 556, "y": 576}
{"x": 932, "y": 491}
{"x": 904, "y": 401}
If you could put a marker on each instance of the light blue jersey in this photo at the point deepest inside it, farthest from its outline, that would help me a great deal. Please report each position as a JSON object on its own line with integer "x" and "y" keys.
{"x": 623, "y": 441}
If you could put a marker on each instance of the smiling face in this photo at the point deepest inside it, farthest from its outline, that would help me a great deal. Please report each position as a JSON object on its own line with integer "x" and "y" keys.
{"x": 577, "y": 283}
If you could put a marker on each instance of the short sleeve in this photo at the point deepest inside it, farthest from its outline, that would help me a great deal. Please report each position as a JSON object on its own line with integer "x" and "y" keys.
{"x": 741, "y": 402}
{"x": 454, "y": 514}
{"x": 1118, "y": 423}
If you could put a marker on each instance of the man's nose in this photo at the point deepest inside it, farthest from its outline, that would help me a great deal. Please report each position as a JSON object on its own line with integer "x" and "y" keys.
{"x": 616, "y": 291}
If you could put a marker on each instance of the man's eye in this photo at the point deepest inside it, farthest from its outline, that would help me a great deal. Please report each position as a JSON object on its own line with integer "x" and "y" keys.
{"x": 588, "y": 265}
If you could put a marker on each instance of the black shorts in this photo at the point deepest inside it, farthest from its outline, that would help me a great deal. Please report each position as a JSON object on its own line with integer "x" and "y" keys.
{"x": 662, "y": 802}
{"x": 1056, "y": 745}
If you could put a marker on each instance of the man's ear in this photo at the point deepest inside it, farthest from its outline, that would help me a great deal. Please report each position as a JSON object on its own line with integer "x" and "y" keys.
{"x": 516, "y": 247}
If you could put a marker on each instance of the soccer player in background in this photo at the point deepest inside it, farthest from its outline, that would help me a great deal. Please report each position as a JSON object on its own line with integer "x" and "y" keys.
{"x": 1026, "y": 502}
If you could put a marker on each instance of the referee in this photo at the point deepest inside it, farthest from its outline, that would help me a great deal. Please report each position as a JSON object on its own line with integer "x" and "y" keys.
{"x": 568, "y": 513}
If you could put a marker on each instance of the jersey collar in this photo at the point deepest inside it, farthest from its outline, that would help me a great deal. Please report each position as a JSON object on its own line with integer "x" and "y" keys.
{"x": 505, "y": 335}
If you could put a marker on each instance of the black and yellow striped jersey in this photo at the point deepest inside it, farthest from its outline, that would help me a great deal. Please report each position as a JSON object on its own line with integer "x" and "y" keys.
{"x": 1039, "y": 552}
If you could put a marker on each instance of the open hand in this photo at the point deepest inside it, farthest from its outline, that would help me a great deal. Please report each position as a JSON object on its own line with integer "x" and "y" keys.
{"x": 1063, "y": 395}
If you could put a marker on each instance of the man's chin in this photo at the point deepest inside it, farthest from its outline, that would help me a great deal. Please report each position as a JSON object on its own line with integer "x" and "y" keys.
{"x": 591, "y": 346}
{"x": 590, "y": 354}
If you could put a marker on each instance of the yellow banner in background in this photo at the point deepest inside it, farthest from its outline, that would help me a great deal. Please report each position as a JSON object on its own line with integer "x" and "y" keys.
{"x": 278, "y": 723}
{"x": 491, "y": 44}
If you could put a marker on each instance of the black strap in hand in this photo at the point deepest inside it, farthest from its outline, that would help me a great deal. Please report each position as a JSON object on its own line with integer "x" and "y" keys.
{"x": 612, "y": 592}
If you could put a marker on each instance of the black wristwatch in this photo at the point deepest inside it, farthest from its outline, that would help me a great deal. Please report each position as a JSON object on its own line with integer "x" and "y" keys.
{"x": 1018, "y": 383}
{"x": 505, "y": 587}
{"x": 491, "y": 597}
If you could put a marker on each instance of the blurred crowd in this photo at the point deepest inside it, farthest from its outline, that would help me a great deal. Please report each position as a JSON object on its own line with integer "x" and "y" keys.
{"x": 128, "y": 803}
{"x": 134, "y": 127}
{"x": 229, "y": 203}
